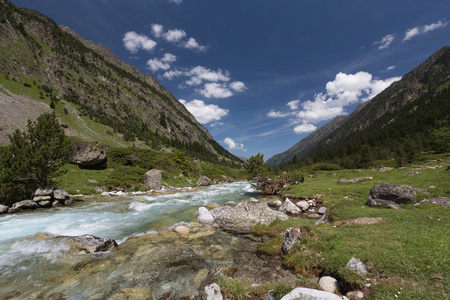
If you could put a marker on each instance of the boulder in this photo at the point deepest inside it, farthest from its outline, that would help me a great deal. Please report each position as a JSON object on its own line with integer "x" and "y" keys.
{"x": 45, "y": 203}
{"x": 441, "y": 201}
{"x": 60, "y": 195}
{"x": 153, "y": 179}
{"x": 25, "y": 204}
{"x": 354, "y": 180}
{"x": 310, "y": 294}
{"x": 204, "y": 216}
{"x": 42, "y": 198}
{"x": 357, "y": 265}
{"x": 276, "y": 203}
{"x": 89, "y": 243}
{"x": 384, "y": 194}
{"x": 245, "y": 215}
{"x": 88, "y": 155}
{"x": 289, "y": 207}
{"x": 328, "y": 284}
{"x": 44, "y": 191}
{"x": 203, "y": 181}
{"x": 323, "y": 220}
{"x": 322, "y": 210}
{"x": 3, "y": 209}
{"x": 291, "y": 236}
{"x": 410, "y": 174}
{"x": 303, "y": 205}
{"x": 212, "y": 292}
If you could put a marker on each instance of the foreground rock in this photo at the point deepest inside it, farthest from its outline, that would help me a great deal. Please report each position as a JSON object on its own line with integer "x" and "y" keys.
{"x": 357, "y": 265}
{"x": 3, "y": 209}
{"x": 441, "y": 201}
{"x": 153, "y": 179}
{"x": 88, "y": 155}
{"x": 310, "y": 294}
{"x": 328, "y": 284}
{"x": 212, "y": 292}
{"x": 245, "y": 215}
{"x": 89, "y": 243}
{"x": 204, "y": 216}
{"x": 290, "y": 237}
{"x": 385, "y": 194}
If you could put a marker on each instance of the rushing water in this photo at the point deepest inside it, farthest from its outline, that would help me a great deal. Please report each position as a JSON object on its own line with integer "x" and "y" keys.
{"x": 111, "y": 217}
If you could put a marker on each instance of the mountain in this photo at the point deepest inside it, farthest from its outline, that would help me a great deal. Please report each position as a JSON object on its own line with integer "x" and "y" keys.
{"x": 96, "y": 96}
{"x": 408, "y": 108}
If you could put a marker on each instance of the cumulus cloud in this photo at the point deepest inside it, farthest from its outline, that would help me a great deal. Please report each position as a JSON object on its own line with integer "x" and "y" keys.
{"x": 385, "y": 42}
{"x": 344, "y": 90}
{"x": 192, "y": 44}
{"x": 134, "y": 41}
{"x": 419, "y": 30}
{"x": 215, "y": 90}
{"x": 176, "y": 1}
{"x": 200, "y": 74}
{"x": 164, "y": 63}
{"x": 174, "y": 35}
{"x": 204, "y": 113}
{"x": 157, "y": 30}
{"x": 238, "y": 86}
{"x": 232, "y": 145}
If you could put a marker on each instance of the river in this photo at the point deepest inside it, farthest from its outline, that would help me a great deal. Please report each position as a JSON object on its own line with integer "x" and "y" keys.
{"x": 26, "y": 260}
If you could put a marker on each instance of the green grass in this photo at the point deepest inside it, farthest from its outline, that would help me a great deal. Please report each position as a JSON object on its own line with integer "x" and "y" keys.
{"x": 405, "y": 253}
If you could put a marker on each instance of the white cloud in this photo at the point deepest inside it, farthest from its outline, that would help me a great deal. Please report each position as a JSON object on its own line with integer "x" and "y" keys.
{"x": 238, "y": 86}
{"x": 176, "y": 1}
{"x": 134, "y": 41}
{"x": 204, "y": 113}
{"x": 386, "y": 41}
{"x": 293, "y": 104}
{"x": 200, "y": 74}
{"x": 412, "y": 32}
{"x": 391, "y": 68}
{"x": 304, "y": 128}
{"x": 161, "y": 64}
{"x": 192, "y": 44}
{"x": 232, "y": 145}
{"x": 344, "y": 90}
{"x": 172, "y": 74}
{"x": 174, "y": 35}
{"x": 157, "y": 30}
{"x": 215, "y": 90}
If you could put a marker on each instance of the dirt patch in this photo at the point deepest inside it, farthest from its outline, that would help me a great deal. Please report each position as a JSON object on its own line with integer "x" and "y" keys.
{"x": 364, "y": 221}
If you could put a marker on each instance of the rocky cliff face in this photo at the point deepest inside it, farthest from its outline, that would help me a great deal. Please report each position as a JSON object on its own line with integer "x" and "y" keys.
{"x": 431, "y": 75}
{"x": 54, "y": 65}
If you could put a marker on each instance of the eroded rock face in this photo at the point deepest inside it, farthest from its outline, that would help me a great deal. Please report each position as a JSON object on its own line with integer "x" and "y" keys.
{"x": 290, "y": 237}
{"x": 384, "y": 194}
{"x": 245, "y": 215}
{"x": 89, "y": 156}
{"x": 153, "y": 179}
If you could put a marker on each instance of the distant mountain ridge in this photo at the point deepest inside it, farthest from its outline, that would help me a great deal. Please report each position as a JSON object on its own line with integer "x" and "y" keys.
{"x": 427, "y": 80}
{"x": 80, "y": 79}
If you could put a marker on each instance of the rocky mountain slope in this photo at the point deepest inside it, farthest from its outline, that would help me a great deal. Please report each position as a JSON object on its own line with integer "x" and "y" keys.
{"x": 400, "y": 105}
{"x": 90, "y": 89}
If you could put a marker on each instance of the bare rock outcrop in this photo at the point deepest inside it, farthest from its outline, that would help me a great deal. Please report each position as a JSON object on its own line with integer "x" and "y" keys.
{"x": 385, "y": 194}
{"x": 88, "y": 155}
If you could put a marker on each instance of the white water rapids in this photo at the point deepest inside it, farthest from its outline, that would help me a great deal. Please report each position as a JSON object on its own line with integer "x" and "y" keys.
{"x": 111, "y": 217}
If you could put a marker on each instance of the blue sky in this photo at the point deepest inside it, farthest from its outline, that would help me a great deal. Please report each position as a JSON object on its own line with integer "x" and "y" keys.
{"x": 262, "y": 75}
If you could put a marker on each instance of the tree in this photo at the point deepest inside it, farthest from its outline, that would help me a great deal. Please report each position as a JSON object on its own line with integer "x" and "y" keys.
{"x": 32, "y": 156}
{"x": 256, "y": 167}
{"x": 440, "y": 140}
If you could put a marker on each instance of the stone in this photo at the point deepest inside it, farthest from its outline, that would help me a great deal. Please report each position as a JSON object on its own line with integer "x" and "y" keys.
{"x": 291, "y": 236}
{"x": 410, "y": 174}
{"x": 99, "y": 190}
{"x": 212, "y": 292}
{"x": 12, "y": 210}
{"x": 276, "y": 203}
{"x": 328, "y": 284}
{"x": 441, "y": 201}
{"x": 93, "y": 181}
{"x": 384, "y": 169}
{"x": 203, "y": 181}
{"x": 182, "y": 230}
{"x": 289, "y": 207}
{"x": 44, "y": 203}
{"x": 204, "y": 216}
{"x": 42, "y": 198}
{"x": 153, "y": 179}
{"x": 68, "y": 202}
{"x": 244, "y": 216}
{"x": 310, "y": 294}
{"x": 385, "y": 193}
{"x": 90, "y": 243}
{"x": 354, "y": 180}
{"x": 253, "y": 200}
{"x": 230, "y": 203}
{"x": 271, "y": 295}
{"x": 25, "y": 204}
{"x": 314, "y": 216}
{"x": 44, "y": 191}
{"x": 88, "y": 155}
{"x": 135, "y": 293}
{"x": 322, "y": 210}
{"x": 357, "y": 265}
{"x": 3, "y": 209}
{"x": 213, "y": 205}
{"x": 323, "y": 220}
{"x": 355, "y": 295}
{"x": 60, "y": 194}
{"x": 303, "y": 205}
{"x": 56, "y": 203}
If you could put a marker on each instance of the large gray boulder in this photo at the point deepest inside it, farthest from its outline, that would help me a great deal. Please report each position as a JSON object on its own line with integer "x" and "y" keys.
{"x": 3, "y": 209}
{"x": 60, "y": 195}
{"x": 384, "y": 194}
{"x": 44, "y": 191}
{"x": 90, "y": 243}
{"x": 289, "y": 208}
{"x": 310, "y": 294}
{"x": 203, "y": 181}
{"x": 25, "y": 204}
{"x": 245, "y": 215}
{"x": 204, "y": 216}
{"x": 153, "y": 179}
{"x": 88, "y": 155}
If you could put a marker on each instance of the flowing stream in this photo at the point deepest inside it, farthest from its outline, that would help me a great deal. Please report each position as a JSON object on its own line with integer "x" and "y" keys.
{"x": 24, "y": 258}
